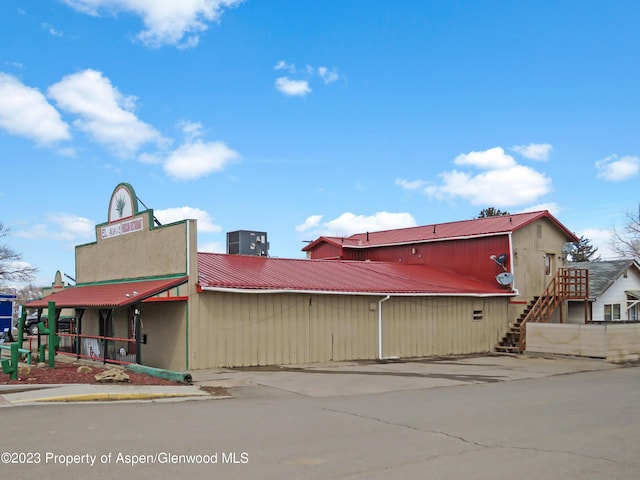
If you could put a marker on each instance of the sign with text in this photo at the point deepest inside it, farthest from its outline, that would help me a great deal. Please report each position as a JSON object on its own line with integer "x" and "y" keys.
{"x": 122, "y": 228}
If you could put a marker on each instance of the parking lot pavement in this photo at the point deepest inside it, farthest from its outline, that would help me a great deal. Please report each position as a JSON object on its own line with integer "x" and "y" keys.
{"x": 333, "y": 379}
{"x": 361, "y": 378}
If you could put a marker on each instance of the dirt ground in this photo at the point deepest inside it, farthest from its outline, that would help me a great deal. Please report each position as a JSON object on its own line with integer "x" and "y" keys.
{"x": 68, "y": 373}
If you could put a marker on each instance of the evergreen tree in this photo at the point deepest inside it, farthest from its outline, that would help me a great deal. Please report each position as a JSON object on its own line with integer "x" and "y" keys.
{"x": 584, "y": 252}
{"x": 492, "y": 212}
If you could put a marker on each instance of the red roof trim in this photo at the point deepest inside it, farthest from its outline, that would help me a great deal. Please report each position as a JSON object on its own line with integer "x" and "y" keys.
{"x": 110, "y": 295}
{"x": 474, "y": 228}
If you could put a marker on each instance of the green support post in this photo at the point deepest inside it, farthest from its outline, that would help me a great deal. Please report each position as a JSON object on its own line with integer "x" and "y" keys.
{"x": 10, "y": 366}
{"x": 54, "y": 340}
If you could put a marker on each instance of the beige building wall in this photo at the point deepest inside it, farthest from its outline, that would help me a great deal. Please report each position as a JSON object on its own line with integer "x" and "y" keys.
{"x": 532, "y": 245}
{"x": 153, "y": 251}
{"x": 165, "y": 325}
{"x": 233, "y": 329}
{"x": 431, "y": 326}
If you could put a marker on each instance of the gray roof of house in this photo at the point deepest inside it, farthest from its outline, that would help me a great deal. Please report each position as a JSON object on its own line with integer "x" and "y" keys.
{"x": 602, "y": 274}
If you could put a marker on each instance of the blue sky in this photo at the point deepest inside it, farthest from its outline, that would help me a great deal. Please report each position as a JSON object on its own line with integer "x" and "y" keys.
{"x": 317, "y": 117}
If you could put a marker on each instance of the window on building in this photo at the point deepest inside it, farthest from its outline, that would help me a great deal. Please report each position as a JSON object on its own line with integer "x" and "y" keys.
{"x": 611, "y": 312}
{"x": 547, "y": 264}
{"x": 478, "y": 315}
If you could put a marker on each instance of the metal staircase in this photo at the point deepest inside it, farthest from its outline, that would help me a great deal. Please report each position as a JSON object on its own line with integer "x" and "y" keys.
{"x": 568, "y": 284}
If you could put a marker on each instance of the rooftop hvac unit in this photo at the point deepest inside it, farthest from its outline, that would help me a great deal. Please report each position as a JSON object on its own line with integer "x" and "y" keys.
{"x": 246, "y": 242}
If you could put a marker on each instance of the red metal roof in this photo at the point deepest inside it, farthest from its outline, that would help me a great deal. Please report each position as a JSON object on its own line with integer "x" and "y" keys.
{"x": 443, "y": 231}
{"x": 108, "y": 295}
{"x": 242, "y": 272}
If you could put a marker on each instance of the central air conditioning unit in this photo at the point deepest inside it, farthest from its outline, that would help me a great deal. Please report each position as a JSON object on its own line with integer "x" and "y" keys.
{"x": 248, "y": 242}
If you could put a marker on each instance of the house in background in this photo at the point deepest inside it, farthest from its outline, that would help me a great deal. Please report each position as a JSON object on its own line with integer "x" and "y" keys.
{"x": 614, "y": 292}
{"x": 606, "y": 326}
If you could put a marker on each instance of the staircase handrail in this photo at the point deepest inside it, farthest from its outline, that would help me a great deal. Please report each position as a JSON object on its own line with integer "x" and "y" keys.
{"x": 567, "y": 284}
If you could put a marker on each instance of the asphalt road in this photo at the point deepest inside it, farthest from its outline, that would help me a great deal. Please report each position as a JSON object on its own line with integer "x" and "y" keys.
{"x": 576, "y": 426}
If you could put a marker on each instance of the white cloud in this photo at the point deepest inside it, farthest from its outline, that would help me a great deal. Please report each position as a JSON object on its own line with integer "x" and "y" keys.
{"x": 167, "y": 22}
{"x": 349, "y": 223}
{"x": 298, "y": 81}
{"x": 292, "y": 87}
{"x": 504, "y": 187}
{"x": 602, "y": 239}
{"x": 105, "y": 114}
{"x": 64, "y": 227}
{"x": 282, "y": 65}
{"x": 553, "y": 208}
{"x": 191, "y": 130}
{"x": 327, "y": 75}
{"x": 52, "y": 31}
{"x": 150, "y": 158}
{"x": 617, "y": 169}
{"x": 197, "y": 159}
{"x": 72, "y": 227}
{"x": 494, "y": 158}
{"x": 25, "y": 112}
{"x": 311, "y": 222}
{"x": 205, "y": 221}
{"x": 411, "y": 184}
{"x": 504, "y": 183}
{"x": 534, "y": 151}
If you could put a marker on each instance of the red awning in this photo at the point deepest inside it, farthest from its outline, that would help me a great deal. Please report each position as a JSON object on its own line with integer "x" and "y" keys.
{"x": 108, "y": 295}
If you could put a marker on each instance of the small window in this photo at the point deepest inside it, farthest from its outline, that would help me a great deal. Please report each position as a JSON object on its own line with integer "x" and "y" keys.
{"x": 477, "y": 315}
{"x": 611, "y": 312}
{"x": 547, "y": 264}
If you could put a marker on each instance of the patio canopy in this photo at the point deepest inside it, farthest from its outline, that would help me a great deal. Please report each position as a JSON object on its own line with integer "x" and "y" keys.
{"x": 108, "y": 295}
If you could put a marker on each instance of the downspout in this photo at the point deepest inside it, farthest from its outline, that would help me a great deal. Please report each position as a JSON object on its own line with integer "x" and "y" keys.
{"x": 380, "y": 302}
{"x": 188, "y": 269}
{"x": 512, "y": 262}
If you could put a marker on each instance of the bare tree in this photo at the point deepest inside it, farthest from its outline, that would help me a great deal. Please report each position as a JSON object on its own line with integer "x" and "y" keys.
{"x": 626, "y": 242}
{"x": 27, "y": 293}
{"x": 12, "y": 269}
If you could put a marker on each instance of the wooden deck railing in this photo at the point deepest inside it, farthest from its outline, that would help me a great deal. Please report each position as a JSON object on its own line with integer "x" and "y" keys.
{"x": 568, "y": 284}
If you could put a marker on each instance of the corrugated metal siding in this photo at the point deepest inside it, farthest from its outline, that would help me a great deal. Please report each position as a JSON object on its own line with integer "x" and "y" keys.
{"x": 439, "y": 326}
{"x": 279, "y": 329}
{"x": 326, "y": 250}
{"x": 465, "y": 257}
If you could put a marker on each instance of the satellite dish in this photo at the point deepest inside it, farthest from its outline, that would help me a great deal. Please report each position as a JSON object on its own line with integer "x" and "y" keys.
{"x": 569, "y": 247}
{"x": 500, "y": 260}
{"x": 505, "y": 278}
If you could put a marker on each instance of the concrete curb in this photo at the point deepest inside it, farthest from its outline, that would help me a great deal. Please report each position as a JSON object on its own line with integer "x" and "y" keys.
{"x": 111, "y": 397}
